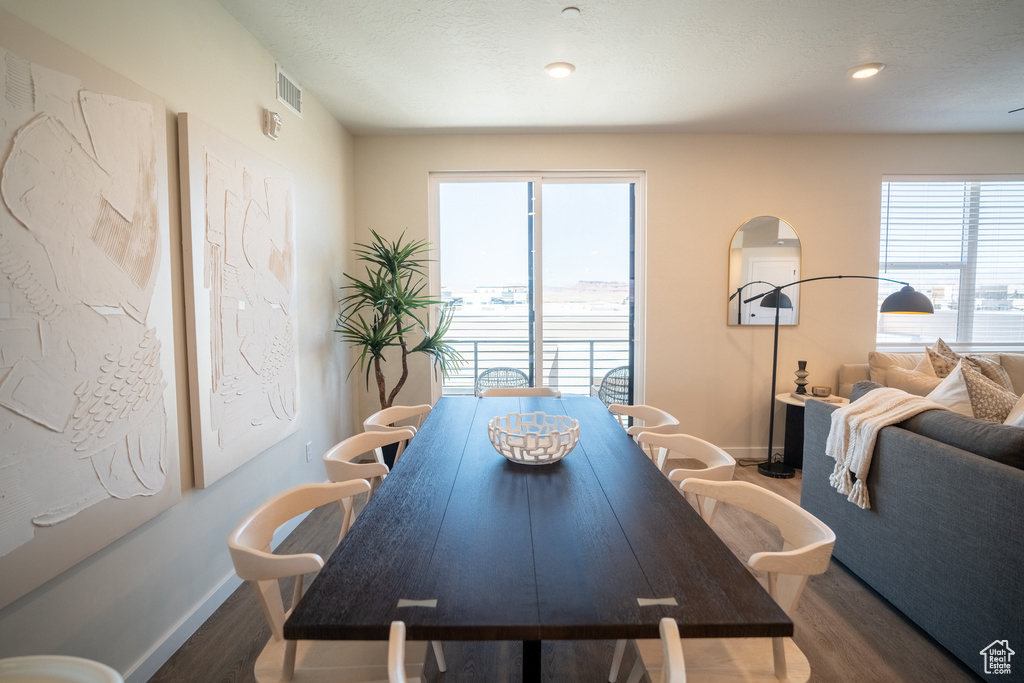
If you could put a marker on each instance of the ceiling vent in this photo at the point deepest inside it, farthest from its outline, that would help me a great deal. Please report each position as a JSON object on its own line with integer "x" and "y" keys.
{"x": 289, "y": 93}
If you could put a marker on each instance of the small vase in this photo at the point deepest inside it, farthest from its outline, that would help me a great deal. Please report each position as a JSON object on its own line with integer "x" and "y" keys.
{"x": 801, "y": 377}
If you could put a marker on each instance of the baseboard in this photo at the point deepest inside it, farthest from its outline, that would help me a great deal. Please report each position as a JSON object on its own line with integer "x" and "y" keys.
{"x": 747, "y": 452}
{"x": 151, "y": 662}
{"x": 163, "y": 650}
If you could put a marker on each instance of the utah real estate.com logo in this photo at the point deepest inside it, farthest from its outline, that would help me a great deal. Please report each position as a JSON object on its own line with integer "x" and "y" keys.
{"x": 997, "y": 657}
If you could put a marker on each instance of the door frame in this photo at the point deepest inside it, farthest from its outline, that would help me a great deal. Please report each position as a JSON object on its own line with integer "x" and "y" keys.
{"x": 638, "y": 294}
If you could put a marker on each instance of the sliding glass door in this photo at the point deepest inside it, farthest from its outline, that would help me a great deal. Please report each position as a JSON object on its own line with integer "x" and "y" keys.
{"x": 541, "y": 271}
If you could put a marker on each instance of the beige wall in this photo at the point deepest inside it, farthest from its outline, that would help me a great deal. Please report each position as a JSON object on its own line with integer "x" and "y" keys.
{"x": 700, "y": 188}
{"x": 120, "y": 605}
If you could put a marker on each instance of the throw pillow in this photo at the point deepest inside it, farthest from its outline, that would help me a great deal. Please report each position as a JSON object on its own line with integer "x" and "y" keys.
{"x": 1016, "y": 416}
{"x": 942, "y": 348}
{"x": 989, "y": 401}
{"x": 993, "y": 370}
{"x": 925, "y": 365}
{"x": 916, "y": 383}
{"x": 942, "y": 365}
{"x": 952, "y": 392}
{"x": 879, "y": 363}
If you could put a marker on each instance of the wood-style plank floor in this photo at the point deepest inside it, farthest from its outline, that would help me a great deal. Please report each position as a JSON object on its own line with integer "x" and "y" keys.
{"x": 848, "y": 632}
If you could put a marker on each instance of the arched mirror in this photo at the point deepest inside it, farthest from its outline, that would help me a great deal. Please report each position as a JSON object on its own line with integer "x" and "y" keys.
{"x": 765, "y": 252}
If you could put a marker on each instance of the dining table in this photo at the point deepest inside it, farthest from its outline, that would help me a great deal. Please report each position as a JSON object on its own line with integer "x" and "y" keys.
{"x": 464, "y": 545}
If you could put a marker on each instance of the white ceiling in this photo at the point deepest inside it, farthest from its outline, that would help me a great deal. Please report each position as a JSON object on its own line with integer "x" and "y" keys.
{"x": 757, "y": 66}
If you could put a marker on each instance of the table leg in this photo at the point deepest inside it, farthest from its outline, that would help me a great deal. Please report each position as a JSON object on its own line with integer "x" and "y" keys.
{"x": 531, "y": 661}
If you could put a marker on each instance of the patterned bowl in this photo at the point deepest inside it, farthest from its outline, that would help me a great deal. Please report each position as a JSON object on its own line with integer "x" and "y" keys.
{"x": 533, "y": 438}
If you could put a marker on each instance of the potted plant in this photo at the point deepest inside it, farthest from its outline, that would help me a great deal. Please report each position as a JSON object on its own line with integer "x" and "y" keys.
{"x": 382, "y": 312}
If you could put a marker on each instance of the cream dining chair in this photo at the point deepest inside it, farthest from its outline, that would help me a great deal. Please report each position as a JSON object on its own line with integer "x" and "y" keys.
{"x": 806, "y": 550}
{"x": 387, "y": 420}
{"x": 654, "y": 419}
{"x": 340, "y": 459}
{"x": 254, "y": 562}
{"x": 56, "y": 669}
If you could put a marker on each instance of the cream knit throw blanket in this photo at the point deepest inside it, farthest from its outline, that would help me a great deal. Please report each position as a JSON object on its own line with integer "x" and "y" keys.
{"x": 855, "y": 427}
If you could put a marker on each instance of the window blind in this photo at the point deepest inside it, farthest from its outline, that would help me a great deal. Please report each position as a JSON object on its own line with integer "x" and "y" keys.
{"x": 962, "y": 244}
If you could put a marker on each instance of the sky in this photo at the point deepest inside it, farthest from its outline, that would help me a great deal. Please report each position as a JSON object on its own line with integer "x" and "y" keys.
{"x": 585, "y": 229}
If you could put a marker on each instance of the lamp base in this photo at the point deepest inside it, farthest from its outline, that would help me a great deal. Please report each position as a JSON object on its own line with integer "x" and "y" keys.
{"x": 776, "y": 470}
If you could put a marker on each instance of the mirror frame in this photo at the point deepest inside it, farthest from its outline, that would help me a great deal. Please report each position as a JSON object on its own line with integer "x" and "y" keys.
{"x": 758, "y": 269}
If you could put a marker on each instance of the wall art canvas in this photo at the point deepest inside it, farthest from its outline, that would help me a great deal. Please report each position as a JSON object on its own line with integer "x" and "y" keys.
{"x": 240, "y": 265}
{"x": 88, "y": 421}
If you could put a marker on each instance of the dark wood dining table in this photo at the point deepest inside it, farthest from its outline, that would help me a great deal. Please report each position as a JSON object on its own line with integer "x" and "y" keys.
{"x": 461, "y": 544}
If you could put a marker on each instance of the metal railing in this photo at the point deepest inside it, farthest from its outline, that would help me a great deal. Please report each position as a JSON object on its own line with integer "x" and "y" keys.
{"x": 572, "y": 366}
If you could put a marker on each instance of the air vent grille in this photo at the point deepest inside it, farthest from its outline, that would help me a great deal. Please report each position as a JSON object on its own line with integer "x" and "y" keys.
{"x": 289, "y": 93}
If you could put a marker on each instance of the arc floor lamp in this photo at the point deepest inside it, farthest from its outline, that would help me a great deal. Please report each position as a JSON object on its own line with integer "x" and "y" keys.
{"x": 906, "y": 300}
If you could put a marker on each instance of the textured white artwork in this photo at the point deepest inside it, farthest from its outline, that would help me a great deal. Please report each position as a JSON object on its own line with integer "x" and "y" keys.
{"x": 87, "y": 399}
{"x": 239, "y": 249}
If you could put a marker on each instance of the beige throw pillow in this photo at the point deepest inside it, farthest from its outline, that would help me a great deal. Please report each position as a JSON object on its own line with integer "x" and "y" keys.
{"x": 1016, "y": 416}
{"x": 952, "y": 392}
{"x": 993, "y": 370}
{"x": 989, "y": 401}
{"x": 879, "y": 363}
{"x": 942, "y": 365}
{"x": 912, "y": 382}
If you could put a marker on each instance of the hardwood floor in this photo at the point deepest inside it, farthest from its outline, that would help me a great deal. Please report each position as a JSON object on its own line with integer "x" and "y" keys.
{"x": 847, "y": 631}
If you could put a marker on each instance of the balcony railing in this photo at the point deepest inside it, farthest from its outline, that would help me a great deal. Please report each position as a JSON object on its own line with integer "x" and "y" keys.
{"x": 572, "y": 366}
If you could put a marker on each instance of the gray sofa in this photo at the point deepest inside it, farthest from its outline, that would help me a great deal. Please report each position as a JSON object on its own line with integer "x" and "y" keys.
{"x": 943, "y": 540}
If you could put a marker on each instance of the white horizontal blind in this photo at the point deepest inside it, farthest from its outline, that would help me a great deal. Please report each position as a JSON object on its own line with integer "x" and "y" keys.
{"x": 962, "y": 244}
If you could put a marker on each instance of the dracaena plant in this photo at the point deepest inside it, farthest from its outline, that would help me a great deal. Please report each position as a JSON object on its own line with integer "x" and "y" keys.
{"x": 388, "y": 309}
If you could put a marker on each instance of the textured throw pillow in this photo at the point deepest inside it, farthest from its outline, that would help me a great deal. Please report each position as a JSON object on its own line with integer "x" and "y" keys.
{"x": 952, "y": 392}
{"x": 942, "y": 364}
{"x": 942, "y": 348}
{"x": 1016, "y": 416}
{"x": 989, "y": 401}
{"x": 993, "y": 370}
{"x": 912, "y": 382}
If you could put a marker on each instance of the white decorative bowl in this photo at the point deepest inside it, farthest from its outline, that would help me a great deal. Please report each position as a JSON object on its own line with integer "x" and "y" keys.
{"x": 533, "y": 438}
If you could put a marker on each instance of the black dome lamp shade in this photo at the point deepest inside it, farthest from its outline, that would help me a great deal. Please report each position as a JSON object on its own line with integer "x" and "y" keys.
{"x": 907, "y": 300}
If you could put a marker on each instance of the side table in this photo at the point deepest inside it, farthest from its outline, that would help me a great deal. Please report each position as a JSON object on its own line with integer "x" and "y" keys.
{"x": 793, "y": 451}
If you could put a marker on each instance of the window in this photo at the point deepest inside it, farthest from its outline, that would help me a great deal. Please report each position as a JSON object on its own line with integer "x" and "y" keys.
{"x": 962, "y": 244}
{"x": 540, "y": 269}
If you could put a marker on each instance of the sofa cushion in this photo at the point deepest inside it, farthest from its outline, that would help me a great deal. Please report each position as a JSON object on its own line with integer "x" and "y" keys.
{"x": 879, "y": 363}
{"x": 911, "y": 381}
{"x": 1002, "y": 443}
{"x": 1013, "y": 363}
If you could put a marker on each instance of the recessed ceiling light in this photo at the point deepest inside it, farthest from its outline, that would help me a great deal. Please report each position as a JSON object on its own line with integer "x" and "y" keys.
{"x": 571, "y": 12}
{"x": 866, "y": 70}
{"x": 559, "y": 69}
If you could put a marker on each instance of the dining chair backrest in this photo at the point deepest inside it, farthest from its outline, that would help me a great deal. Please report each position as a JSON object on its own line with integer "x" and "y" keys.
{"x": 673, "y": 665}
{"x": 249, "y": 546}
{"x": 55, "y": 669}
{"x": 339, "y": 458}
{"x": 807, "y": 541}
{"x": 387, "y": 419}
{"x": 396, "y": 653}
{"x": 615, "y": 386}
{"x": 520, "y": 391}
{"x": 718, "y": 465}
{"x": 500, "y": 377}
{"x": 654, "y": 419}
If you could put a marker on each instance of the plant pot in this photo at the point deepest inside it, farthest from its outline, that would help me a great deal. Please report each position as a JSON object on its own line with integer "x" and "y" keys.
{"x": 389, "y": 451}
